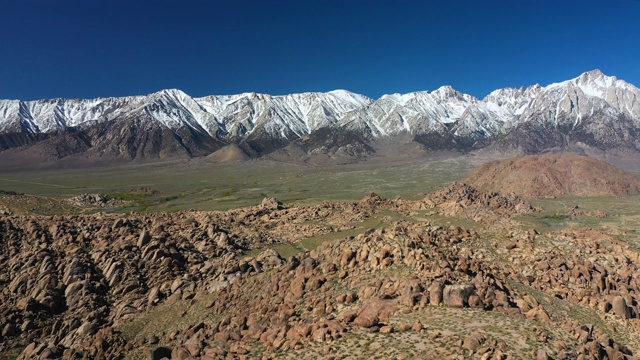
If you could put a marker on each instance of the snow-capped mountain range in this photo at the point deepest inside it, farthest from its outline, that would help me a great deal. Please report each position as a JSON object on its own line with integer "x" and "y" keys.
{"x": 593, "y": 109}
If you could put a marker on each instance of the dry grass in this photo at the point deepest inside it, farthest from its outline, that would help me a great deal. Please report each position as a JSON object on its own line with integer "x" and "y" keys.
{"x": 165, "y": 319}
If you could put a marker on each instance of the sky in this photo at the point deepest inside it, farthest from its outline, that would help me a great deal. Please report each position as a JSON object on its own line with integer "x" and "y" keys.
{"x": 96, "y": 48}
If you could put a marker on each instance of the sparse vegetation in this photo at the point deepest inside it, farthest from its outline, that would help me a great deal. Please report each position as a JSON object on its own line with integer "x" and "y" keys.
{"x": 203, "y": 186}
{"x": 555, "y": 217}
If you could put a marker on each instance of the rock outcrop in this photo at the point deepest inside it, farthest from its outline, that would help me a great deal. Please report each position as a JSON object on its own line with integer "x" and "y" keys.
{"x": 460, "y": 199}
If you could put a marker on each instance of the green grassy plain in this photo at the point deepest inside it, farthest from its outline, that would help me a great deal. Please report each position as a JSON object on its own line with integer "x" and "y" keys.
{"x": 203, "y": 186}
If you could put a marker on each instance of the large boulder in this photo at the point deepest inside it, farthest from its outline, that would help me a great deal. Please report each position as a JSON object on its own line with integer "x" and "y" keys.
{"x": 457, "y": 295}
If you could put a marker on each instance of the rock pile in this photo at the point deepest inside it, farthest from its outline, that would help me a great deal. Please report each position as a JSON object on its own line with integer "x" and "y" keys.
{"x": 99, "y": 200}
{"x": 460, "y": 199}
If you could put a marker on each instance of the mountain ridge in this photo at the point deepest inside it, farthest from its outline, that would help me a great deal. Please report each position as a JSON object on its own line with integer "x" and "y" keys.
{"x": 593, "y": 110}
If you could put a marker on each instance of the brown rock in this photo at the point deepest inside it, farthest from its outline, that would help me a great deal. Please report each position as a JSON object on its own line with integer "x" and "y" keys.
{"x": 595, "y": 350}
{"x": 435, "y": 293}
{"x": 180, "y": 353}
{"x": 348, "y": 316}
{"x": 473, "y": 341}
{"x": 152, "y": 339}
{"x": 387, "y": 329}
{"x": 457, "y": 295}
{"x": 157, "y": 353}
{"x": 417, "y": 326}
{"x": 87, "y": 328}
{"x": 541, "y": 354}
{"x": 373, "y": 312}
{"x": 238, "y": 349}
{"x": 614, "y": 354}
{"x": 144, "y": 238}
{"x": 539, "y": 314}
{"x": 474, "y": 301}
{"x": 223, "y": 240}
{"x": 368, "y": 317}
{"x": 350, "y": 298}
{"x": 619, "y": 307}
{"x": 299, "y": 332}
{"x": 9, "y": 330}
{"x": 215, "y": 352}
{"x": 194, "y": 345}
{"x": 155, "y": 295}
{"x": 31, "y": 350}
{"x": 319, "y": 335}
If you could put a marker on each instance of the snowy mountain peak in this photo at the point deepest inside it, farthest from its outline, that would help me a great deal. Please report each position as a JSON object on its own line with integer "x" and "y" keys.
{"x": 447, "y": 92}
{"x": 596, "y": 81}
{"x": 595, "y": 73}
{"x": 170, "y": 93}
{"x": 445, "y": 89}
{"x": 271, "y": 121}
{"x": 592, "y": 83}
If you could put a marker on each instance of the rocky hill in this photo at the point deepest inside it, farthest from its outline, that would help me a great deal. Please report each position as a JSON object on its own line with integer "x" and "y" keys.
{"x": 591, "y": 111}
{"x": 211, "y": 285}
{"x": 540, "y": 176}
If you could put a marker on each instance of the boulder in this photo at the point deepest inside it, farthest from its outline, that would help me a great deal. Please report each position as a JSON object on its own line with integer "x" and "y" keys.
{"x": 619, "y": 307}
{"x": 473, "y": 341}
{"x": 435, "y": 293}
{"x": 457, "y": 295}
{"x": 144, "y": 238}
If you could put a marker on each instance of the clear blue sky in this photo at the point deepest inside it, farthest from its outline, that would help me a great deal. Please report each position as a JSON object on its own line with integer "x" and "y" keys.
{"x": 93, "y": 48}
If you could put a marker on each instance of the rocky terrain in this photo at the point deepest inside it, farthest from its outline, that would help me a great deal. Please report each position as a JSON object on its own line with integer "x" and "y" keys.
{"x": 460, "y": 199}
{"x": 379, "y": 278}
{"x": 28, "y": 204}
{"x": 539, "y": 176}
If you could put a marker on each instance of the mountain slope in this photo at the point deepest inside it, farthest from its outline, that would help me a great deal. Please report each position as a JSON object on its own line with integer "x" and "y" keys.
{"x": 592, "y": 110}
